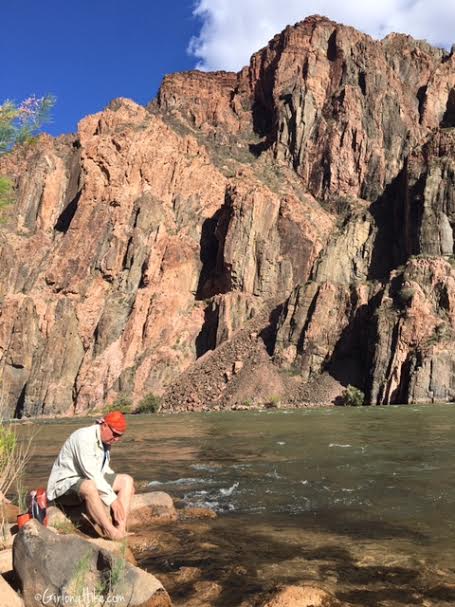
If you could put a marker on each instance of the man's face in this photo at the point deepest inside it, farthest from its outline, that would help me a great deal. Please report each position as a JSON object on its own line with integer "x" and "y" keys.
{"x": 108, "y": 435}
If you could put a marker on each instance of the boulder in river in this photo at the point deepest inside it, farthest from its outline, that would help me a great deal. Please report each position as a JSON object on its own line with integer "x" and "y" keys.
{"x": 152, "y": 507}
{"x": 65, "y": 568}
{"x": 302, "y": 596}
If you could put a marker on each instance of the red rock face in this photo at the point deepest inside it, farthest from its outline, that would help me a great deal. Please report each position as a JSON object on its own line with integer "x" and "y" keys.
{"x": 118, "y": 244}
{"x": 286, "y": 230}
{"x": 340, "y": 108}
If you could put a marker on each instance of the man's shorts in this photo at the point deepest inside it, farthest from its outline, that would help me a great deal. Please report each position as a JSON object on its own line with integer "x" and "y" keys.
{"x": 72, "y": 496}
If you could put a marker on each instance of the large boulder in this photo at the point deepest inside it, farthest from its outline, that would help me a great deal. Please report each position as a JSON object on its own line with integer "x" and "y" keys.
{"x": 302, "y": 596}
{"x": 68, "y": 568}
{"x": 152, "y": 507}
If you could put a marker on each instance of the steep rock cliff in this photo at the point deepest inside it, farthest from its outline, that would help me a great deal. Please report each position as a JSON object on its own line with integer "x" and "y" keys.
{"x": 286, "y": 230}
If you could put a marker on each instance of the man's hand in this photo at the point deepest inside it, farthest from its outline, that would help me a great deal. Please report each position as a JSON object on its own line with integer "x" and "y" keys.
{"x": 118, "y": 512}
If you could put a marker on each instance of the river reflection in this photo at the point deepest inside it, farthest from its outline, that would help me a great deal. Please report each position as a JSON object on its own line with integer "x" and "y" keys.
{"x": 361, "y": 501}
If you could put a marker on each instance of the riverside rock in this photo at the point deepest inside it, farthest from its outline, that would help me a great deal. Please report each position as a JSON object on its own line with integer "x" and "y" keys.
{"x": 296, "y": 217}
{"x": 155, "y": 506}
{"x": 75, "y": 570}
{"x": 145, "y": 508}
{"x": 302, "y": 596}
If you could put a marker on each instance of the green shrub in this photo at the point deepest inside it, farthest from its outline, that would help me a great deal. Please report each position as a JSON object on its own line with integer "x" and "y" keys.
{"x": 8, "y": 442}
{"x": 14, "y": 454}
{"x": 77, "y": 583}
{"x": 149, "y": 404}
{"x": 6, "y": 193}
{"x": 353, "y": 397}
{"x": 405, "y": 295}
{"x": 122, "y": 403}
{"x": 442, "y": 332}
{"x": 65, "y": 527}
{"x": 21, "y": 495}
{"x": 292, "y": 371}
{"x": 118, "y": 568}
{"x": 273, "y": 402}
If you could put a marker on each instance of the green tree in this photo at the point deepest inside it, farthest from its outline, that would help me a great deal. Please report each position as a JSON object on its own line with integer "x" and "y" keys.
{"x": 20, "y": 123}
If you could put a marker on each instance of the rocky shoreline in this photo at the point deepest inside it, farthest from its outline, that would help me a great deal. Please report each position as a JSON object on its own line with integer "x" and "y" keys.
{"x": 62, "y": 564}
{"x": 237, "y": 408}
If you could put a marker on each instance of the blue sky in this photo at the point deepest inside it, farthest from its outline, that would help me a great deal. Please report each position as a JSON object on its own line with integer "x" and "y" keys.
{"x": 87, "y": 52}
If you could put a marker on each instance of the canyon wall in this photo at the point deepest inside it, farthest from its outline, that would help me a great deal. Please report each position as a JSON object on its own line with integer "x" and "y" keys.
{"x": 280, "y": 232}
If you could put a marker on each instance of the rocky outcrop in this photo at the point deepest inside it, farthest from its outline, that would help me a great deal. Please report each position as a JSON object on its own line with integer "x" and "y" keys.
{"x": 269, "y": 224}
{"x": 342, "y": 109}
{"x": 413, "y": 335}
{"x": 70, "y": 569}
{"x": 127, "y": 292}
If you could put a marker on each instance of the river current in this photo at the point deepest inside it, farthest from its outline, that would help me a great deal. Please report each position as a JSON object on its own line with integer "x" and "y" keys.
{"x": 360, "y": 501}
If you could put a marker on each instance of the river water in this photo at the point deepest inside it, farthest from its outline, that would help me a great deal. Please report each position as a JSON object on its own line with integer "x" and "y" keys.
{"x": 360, "y": 501}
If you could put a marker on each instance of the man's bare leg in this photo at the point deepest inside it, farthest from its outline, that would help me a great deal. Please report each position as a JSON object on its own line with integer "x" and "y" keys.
{"x": 96, "y": 510}
{"x": 124, "y": 488}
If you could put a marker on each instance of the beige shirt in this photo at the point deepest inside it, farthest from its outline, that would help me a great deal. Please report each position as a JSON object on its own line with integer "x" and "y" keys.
{"x": 82, "y": 457}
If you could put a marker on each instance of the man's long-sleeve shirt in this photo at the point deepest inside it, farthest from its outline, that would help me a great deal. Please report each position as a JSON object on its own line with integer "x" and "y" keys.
{"x": 82, "y": 457}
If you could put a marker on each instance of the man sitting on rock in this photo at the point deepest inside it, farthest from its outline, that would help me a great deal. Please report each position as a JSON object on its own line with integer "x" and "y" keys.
{"x": 81, "y": 473}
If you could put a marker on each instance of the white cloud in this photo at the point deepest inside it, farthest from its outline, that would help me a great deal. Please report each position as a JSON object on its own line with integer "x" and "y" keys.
{"x": 231, "y": 30}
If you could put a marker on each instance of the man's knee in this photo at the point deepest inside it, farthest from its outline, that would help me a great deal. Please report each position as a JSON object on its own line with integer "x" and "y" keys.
{"x": 87, "y": 488}
{"x": 124, "y": 482}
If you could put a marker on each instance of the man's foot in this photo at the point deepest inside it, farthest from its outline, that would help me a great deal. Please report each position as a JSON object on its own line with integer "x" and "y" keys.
{"x": 114, "y": 534}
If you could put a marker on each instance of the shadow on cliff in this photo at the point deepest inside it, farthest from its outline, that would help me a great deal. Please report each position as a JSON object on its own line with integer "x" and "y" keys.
{"x": 210, "y": 275}
{"x": 206, "y": 339}
{"x": 398, "y": 219}
{"x": 264, "y": 112}
{"x": 66, "y": 216}
{"x": 213, "y": 280}
{"x": 20, "y": 405}
{"x": 269, "y": 333}
{"x": 351, "y": 359}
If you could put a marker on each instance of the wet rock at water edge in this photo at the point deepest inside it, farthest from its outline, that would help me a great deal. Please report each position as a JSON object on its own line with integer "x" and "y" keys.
{"x": 146, "y": 508}
{"x": 301, "y": 596}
